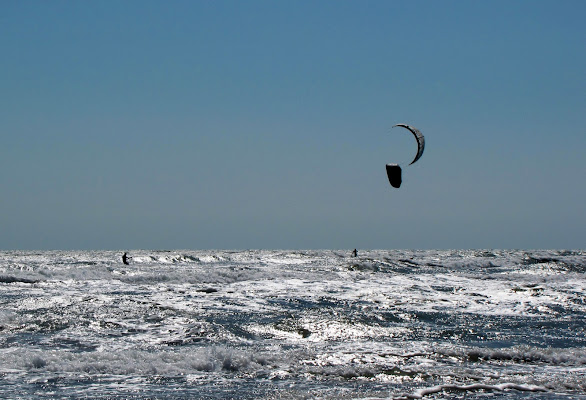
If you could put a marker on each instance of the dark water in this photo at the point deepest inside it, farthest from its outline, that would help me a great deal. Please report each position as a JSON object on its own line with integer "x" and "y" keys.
{"x": 293, "y": 324}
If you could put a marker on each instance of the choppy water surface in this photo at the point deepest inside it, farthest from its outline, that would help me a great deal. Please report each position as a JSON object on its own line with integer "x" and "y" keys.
{"x": 293, "y": 324}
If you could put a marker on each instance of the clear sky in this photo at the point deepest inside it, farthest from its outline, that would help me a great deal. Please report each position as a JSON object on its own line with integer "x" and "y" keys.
{"x": 267, "y": 124}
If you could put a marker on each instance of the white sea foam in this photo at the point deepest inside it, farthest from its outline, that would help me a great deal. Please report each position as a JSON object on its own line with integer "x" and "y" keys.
{"x": 284, "y": 323}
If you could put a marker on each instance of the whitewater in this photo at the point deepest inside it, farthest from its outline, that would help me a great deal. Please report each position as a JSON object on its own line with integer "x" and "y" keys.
{"x": 320, "y": 324}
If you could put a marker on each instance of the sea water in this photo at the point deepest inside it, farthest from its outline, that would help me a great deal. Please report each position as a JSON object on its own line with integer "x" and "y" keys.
{"x": 471, "y": 324}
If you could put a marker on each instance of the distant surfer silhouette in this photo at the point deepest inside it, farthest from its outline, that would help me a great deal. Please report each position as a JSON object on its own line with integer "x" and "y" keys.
{"x": 354, "y": 253}
{"x": 125, "y": 258}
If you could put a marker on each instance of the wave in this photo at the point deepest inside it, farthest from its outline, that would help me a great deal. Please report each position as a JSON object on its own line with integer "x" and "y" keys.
{"x": 420, "y": 393}
{"x": 16, "y": 279}
{"x": 212, "y": 359}
{"x": 523, "y": 354}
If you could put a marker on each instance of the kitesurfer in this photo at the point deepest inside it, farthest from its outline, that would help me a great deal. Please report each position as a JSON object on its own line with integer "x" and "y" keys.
{"x": 355, "y": 253}
{"x": 125, "y": 258}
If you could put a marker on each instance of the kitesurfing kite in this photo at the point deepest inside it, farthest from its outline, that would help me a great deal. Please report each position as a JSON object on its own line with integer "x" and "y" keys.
{"x": 394, "y": 170}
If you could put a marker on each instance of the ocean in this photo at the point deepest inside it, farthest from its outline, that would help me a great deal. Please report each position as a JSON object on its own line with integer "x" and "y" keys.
{"x": 266, "y": 324}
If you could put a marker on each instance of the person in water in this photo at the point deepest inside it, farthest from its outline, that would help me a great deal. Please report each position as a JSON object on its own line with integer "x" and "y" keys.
{"x": 125, "y": 258}
{"x": 354, "y": 253}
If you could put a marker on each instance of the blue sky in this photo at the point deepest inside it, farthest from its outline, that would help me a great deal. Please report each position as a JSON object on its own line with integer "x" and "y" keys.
{"x": 267, "y": 124}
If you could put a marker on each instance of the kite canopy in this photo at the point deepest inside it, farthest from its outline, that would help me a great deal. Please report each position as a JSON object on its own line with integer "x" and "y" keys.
{"x": 420, "y": 141}
{"x": 394, "y": 175}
